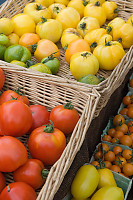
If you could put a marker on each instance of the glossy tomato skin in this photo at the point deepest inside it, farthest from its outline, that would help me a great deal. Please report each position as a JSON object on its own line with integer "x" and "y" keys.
{"x": 2, "y": 78}
{"x": 15, "y": 118}
{"x": 13, "y": 154}
{"x": 18, "y": 191}
{"x": 64, "y": 119}
{"x": 8, "y": 95}
{"x": 40, "y": 116}
{"x": 46, "y": 147}
{"x": 30, "y": 173}
{"x": 2, "y": 182}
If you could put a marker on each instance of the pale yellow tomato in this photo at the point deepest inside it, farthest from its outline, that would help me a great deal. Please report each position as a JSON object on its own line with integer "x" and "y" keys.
{"x": 111, "y": 9}
{"x": 78, "y": 5}
{"x": 86, "y": 25}
{"x": 105, "y": 38}
{"x": 50, "y": 29}
{"x": 95, "y": 10}
{"x": 55, "y": 8}
{"x": 130, "y": 20}
{"x": 94, "y": 1}
{"x": 109, "y": 55}
{"x": 6, "y": 26}
{"x": 23, "y": 24}
{"x": 68, "y": 17}
{"x": 46, "y": 3}
{"x": 14, "y": 38}
{"x": 65, "y": 2}
{"x": 37, "y": 11}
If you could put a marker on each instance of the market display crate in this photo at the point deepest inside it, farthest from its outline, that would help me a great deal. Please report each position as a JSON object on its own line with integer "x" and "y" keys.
{"x": 50, "y": 94}
{"x": 113, "y": 79}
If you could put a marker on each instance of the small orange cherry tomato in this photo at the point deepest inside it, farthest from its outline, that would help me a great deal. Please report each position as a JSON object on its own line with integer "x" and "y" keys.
{"x": 126, "y": 100}
{"x": 126, "y": 140}
{"x": 98, "y": 155}
{"x": 130, "y": 124}
{"x": 115, "y": 168}
{"x": 115, "y": 140}
{"x": 117, "y": 150}
{"x": 127, "y": 154}
{"x": 106, "y": 138}
{"x": 123, "y": 128}
{"x": 130, "y": 105}
{"x": 109, "y": 156}
{"x": 124, "y": 111}
{"x": 103, "y": 147}
{"x": 95, "y": 163}
{"x": 130, "y": 112}
{"x": 128, "y": 169}
{"x": 131, "y": 83}
{"x": 118, "y": 134}
{"x": 108, "y": 164}
{"x": 120, "y": 161}
{"x": 111, "y": 132}
{"x": 118, "y": 120}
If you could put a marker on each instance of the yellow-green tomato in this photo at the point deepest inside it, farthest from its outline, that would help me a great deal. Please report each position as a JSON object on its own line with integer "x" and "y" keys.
{"x": 109, "y": 55}
{"x": 130, "y": 20}
{"x": 55, "y": 8}
{"x": 6, "y": 26}
{"x": 50, "y": 29}
{"x": 85, "y": 182}
{"x": 40, "y": 67}
{"x": 16, "y": 62}
{"x": 109, "y": 193}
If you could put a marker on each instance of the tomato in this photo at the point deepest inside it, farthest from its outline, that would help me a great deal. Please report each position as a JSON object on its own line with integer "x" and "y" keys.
{"x": 95, "y": 163}
{"x": 40, "y": 116}
{"x": 124, "y": 111}
{"x": 123, "y": 128}
{"x": 36, "y": 11}
{"x": 85, "y": 182}
{"x": 104, "y": 39}
{"x": 18, "y": 191}
{"x": 2, "y": 182}
{"x": 94, "y": 1}
{"x": 118, "y": 120}
{"x": 47, "y": 143}
{"x": 130, "y": 20}
{"x": 45, "y": 48}
{"x": 106, "y": 138}
{"x": 45, "y": 2}
{"x": 90, "y": 79}
{"x": 13, "y": 38}
{"x": 75, "y": 46}
{"x": 23, "y": 23}
{"x": 86, "y": 25}
{"x": 16, "y": 62}
{"x": 98, "y": 155}
{"x": 131, "y": 83}
{"x": 130, "y": 112}
{"x": 2, "y": 78}
{"x": 110, "y": 9}
{"x": 4, "y": 40}
{"x": 130, "y": 129}
{"x": 95, "y": 10}
{"x": 109, "y": 55}
{"x": 118, "y": 134}
{"x": 68, "y": 17}
{"x": 126, "y": 100}
{"x": 13, "y": 154}
{"x": 127, "y": 154}
{"x": 111, "y": 132}
{"x": 109, "y": 156}
{"x": 2, "y": 52}
{"x": 128, "y": 169}
{"x": 103, "y": 147}
{"x": 83, "y": 63}
{"x": 130, "y": 124}
{"x": 65, "y": 2}
{"x": 32, "y": 172}
{"x": 120, "y": 161}
{"x": 15, "y": 118}
{"x": 115, "y": 168}
{"x": 78, "y": 5}
{"x": 6, "y": 26}
{"x": 117, "y": 150}
{"x": 126, "y": 140}
{"x": 107, "y": 164}
{"x": 115, "y": 140}
{"x": 64, "y": 117}
{"x": 130, "y": 105}
{"x": 55, "y": 8}
{"x": 131, "y": 136}
{"x": 41, "y": 68}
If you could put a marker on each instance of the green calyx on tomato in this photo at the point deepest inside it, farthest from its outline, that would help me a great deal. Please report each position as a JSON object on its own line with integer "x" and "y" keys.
{"x": 2, "y": 52}
{"x": 39, "y": 7}
{"x": 69, "y": 106}
{"x": 94, "y": 44}
{"x": 29, "y": 63}
{"x": 97, "y": 3}
{"x": 49, "y": 127}
{"x": 43, "y": 20}
{"x": 85, "y": 3}
{"x": 4, "y": 40}
{"x": 44, "y": 173}
{"x": 83, "y": 26}
{"x": 86, "y": 54}
{"x": 116, "y": 10}
{"x": 109, "y": 29}
{"x": 8, "y": 188}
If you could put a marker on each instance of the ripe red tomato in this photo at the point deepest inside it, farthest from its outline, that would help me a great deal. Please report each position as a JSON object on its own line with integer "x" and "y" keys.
{"x": 13, "y": 154}
{"x": 2, "y": 182}
{"x": 18, "y": 191}
{"x": 32, "y": 172}
{"x": 40, "y": 116}
{"x": 22, "y": 97}
{"x": 64, "y": 117}
{"x": 2, "y": 78}
{"x": 47, "y": 144}
{"x": 15, "y": 118}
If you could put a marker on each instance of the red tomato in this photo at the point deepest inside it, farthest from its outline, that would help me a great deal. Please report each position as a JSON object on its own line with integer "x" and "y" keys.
{"x": 22, "y": 97}
{"x": 2, "y": 78}
{"x": 64, "y": 117}
{"x": 15, "y": 118}
{"x": 32, "y": 172}
{"x": 47, "y": 144}
{"x": 13, "y": 154}
{"x": 2, "y": 182}
{"x": 18, "y": 191}
{"x": 40, "y": 116}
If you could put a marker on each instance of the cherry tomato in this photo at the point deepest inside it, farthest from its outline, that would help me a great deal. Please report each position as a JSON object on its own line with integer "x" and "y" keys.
{"x": 103, "y": 147}
{"x": 126, "y": 140}
{"x": 131, "y": 83}
{"x": 64, "y": 117}
{"x": 95, "y": 163}
{"x": 130, "y": 112}
{"x": 106, "y": 138}
{"x": 123, "y": 128}
{"x": 127, "y": 154}
{"x": 2, "y": 78}
{"x": 130, "y": 105}
{"x": 130, "y": 124}
{"x": 118, "y": 120}
{"x": 111, "y": 132}
{"x": 117, "y": 150}
{"x": 2, "y": 182}
{"x": 118, "y": 134}
{"x": 98, "y": 155}
{"x": 126, "y": 100}
{"x": 109, "y": 156}
{"x": 108, "y": 164}
{"x": 120, "y": 161}
{"x": 128, "y": 169}
{"x": 124, "y": 111}
{"x": 115, "y": 140}
{"x": 115, "y": 168}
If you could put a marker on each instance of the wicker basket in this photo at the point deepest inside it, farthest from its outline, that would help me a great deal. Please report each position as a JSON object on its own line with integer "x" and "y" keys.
{"x": 113, "y": 78}
{"x": 50, "y": 94}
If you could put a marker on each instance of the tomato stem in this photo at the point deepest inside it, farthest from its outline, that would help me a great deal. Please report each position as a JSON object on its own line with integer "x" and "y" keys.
{"x": 83, "y": 26}
{"x": 43, "y": 20}
{"x": 29, "y": 63}
{"x": 68, "y": 106}
{"x": 49, "y": 127}
{"x": 94, "y": 44}
{"x": 50, "y": 57}
{"x": 85, "y": 3}
{"x": 97, "y": 3}
{"x": 116, "y": 10}
{"x": 109, "y": 29}
{"x": 120, "y": 40}
{"x": 19, "y": 91}
{"x": 86, "y": 54}
{"x": 39, "y": 7}
{"x": 8, "y": 188}
{"x": 56, "y": 9}
{"x": 34, "y": 47}
{"x": 44, "y": 173}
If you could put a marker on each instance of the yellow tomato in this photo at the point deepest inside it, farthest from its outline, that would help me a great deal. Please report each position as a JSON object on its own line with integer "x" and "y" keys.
{"x": 6, "y": 26}
{"x": 23, "y": 24}
{"x": 93, "y": 37}
{"x": 50, "y": 29}
{"x": 68, "y": 17}
{"x": 37, "y": 11}
{"x": 78, "y": 5}
{"x": 111, "y": 9}
{"x": 14, "y": 38}
{"x": 94, "y": 1}
{"x": 114, "y": 25}
{"x": 86, "y": 25}
{"x": 65, "y": 2}
{"x": 46, "y": 3}
{"x": 130, "y": 20}
{"x": 124, "y": 35}
{"x": 95, "y": 10}
{"x": 105, "y": 38}
{"x": 109, "y": 55}
{"x": 68, "y": 36}
{"x": 55, "y": 8}
{"x": 83, "y": 63}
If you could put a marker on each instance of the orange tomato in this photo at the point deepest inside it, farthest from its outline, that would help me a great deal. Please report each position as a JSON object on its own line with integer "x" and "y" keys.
{"x": 115, "y": 168}
{"x": 124, "y": 111}
{"x": 131, "y": 136}
{"x": 130, "y": 112}
{"x": 127, "y": 154}
{"x": 123, "y": 128}
{"x": 118, "y": 120}
{"x": 117, "y": 149}
{"x": 103, "y": 147}
{"x": 126, "y": 100}
{"x": 131, "y": 83}
{"x": 108, "y": 164}
{"x": 115, "y": 140}
{"x": 130, "y": 105}
{"x": 118, "y": 134}
{"x": 111, "y": 132}
{"x": 106, "y": 138}
{"x": 126, "y": 140}
{"x": 130, "y": 124}
{"x": 109, "y": 156}
{"x": 120, "y": 161}
{"x": 98, "y": 155}
{"x": 95, "y": 163}
{"x": 75, "y": 46}
{"x": 128, "y": 169}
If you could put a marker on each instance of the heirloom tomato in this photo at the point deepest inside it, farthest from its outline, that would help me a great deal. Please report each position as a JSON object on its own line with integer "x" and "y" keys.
{"x": 78, "y": 5}
{"x": 15, "y": 118}
{"x": 6, "y": 26}
{"x": 2, "y": 182}
{"x": 55, "y": 8}
{"x": 16, "y": 62}
{"x": 40, "y": 67}
{"x": 64, "y": 117}
{"x": 37, "y": 11}
{"x": 2, "y": 52}
{"x": 68, "y": 17}
{"x": 4, "y": 40}
{"x": 13, "y": 38}
{"x": 104, "y": 39}
{"x": 18, "y": 191}
{"x": 111, "y": 9}
{"x": 13, "y": 154}
{"x": 46, "y": 3}
{"x": 47, "y": 143}
{"x": 23, "y": 23}
{"x": 130, "y": 20}
{"x": 65, "y": 2}
{"x": 86, "y": 25}
{"x": 32, "y": 172}
{"x": 83, "y": 63}
{"x": 94, "y": 1}
{"x": 2, "y": 78}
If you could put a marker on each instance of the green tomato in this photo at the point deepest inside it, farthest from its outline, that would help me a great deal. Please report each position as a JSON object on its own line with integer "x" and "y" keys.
{"x": 41, "y": 68}
{"x": 17, "y": 52}
{"x": 52, "y": 63}
{"x": 89, "y": 79}
{"x": 20, "y": 63}
{"x": 85, "y": 182}
{"x": 2, "y": 52}
{"x": 4, "y": 40}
